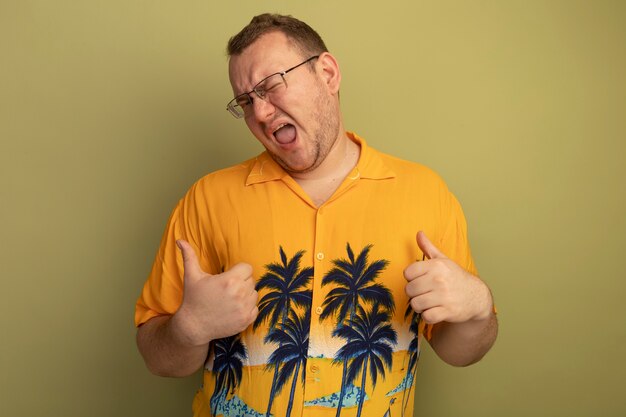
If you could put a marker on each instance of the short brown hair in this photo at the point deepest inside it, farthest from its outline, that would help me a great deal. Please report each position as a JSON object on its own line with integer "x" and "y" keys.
{"x": 302, "y": 35}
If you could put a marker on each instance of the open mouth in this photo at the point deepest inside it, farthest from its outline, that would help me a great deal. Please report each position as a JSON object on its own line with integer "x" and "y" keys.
{"x": 285, "y": 133}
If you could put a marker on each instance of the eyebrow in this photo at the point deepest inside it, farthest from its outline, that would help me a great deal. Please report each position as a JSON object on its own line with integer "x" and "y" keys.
{"x": 257, "y": 83}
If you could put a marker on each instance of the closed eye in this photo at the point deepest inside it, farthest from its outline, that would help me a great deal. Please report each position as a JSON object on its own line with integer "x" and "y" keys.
{"x": 244, "y": 100}
{"x": 273, "y": 83}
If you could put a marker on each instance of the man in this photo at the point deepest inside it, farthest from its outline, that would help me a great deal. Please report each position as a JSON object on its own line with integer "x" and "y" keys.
{"x": 297, "y": 278}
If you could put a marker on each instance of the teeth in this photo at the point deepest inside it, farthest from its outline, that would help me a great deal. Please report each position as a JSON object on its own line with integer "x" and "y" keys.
{"x": 279, "y": 127}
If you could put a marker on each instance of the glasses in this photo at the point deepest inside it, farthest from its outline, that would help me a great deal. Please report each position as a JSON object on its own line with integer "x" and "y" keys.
{"x": 268, "y": 86}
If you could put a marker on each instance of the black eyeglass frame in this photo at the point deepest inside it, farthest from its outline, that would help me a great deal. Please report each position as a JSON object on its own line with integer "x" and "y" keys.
{"x": 261, "y": 93}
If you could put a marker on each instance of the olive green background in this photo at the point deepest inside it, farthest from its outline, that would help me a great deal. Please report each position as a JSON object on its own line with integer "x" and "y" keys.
{"x": 110, "y": 110}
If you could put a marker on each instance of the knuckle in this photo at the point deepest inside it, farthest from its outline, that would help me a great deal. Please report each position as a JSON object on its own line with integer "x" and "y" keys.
{"x": 430, "y": 317}
{"x": 240, "y": 294}
{"x": 442, "y": 282}
{"x": 441, "y": 265}
{"x": 243, "y": 269}
{"x": 415, "y": 305}
{"x": 226, "y": 286}
{"x": 408, "y": 289}
{"x": 408, "y": 273}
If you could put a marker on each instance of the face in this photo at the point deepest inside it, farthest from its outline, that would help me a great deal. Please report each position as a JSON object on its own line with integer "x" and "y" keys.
{"x": 300, "y": 123}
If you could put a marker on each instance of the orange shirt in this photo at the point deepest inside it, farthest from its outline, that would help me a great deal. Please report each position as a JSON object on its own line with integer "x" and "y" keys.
{"x": 334, "y": 329}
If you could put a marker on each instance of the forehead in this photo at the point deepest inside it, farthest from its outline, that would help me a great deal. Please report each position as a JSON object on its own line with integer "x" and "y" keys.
{"x": 269, "y": 54}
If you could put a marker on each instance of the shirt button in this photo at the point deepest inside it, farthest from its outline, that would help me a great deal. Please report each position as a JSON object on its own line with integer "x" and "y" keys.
{"x": 319, "y": 310}
{"x": 320, "y": 256}
{"x": 314, "y": 368}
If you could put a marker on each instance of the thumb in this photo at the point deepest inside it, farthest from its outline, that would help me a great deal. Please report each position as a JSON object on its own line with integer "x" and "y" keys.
{"x": 430, "y": 250}
{"x": 190, "y": 260}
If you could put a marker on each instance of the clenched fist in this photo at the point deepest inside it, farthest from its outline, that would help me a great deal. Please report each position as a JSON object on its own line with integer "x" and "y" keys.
{"x": 214, "y": 306}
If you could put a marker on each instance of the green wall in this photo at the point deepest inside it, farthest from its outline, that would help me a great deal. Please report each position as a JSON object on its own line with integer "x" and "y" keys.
{"x": 110, "y": 110}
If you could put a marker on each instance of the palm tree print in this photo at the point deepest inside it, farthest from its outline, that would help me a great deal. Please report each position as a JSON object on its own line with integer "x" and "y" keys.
{"x": 230, "y": 354}
{"x": 414, "y": 349}
{"x": 354, "y": 284}
{"x": 291, "y": 356}
{"x": 369, "y": 346}
{"x": 414, "y": 352}
{"x": 288, "y": 289}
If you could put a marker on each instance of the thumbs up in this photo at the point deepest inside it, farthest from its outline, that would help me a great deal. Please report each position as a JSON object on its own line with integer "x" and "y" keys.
{"x": 214, "y": 306}
{"x": 427, "y": 247}
{"x": 191, "y": 265}
{"x": 441, "y": 290}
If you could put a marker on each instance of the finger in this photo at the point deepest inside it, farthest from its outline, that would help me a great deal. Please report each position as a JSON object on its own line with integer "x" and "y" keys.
{"x": 418, "y": 287}
{"x": 241, "y": 270}
{"x": 424, "y": 302}
{"x": 253, "y": 314}
{"x": 251, "y": 296}
{"x": 190, "y": 260}
{"x": 416, "y": 270}
{"x": 434, "y": 315}
{"x": 430, "y": 250}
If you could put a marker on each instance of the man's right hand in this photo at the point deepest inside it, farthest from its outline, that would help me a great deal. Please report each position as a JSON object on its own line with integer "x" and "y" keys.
{"x": 214, "y": 306}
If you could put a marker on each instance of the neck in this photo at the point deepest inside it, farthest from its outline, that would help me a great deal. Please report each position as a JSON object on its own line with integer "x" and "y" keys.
{"x": 343, "y": 156}
{"x": 323, "y": 181}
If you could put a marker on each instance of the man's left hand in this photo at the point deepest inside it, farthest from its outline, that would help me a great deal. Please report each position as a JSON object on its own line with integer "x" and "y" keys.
{"x": 441, "y": 290}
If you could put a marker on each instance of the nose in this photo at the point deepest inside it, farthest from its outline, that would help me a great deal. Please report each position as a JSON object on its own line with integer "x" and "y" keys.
{"x": 263, "y": 108}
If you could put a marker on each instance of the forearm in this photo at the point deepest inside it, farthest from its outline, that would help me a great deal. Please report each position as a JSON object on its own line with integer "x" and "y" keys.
{"x": 462, "y": 344}
{"x": 164, "y": 350}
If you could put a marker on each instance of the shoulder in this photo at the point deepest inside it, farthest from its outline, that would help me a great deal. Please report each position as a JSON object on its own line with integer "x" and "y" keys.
{"x": 411, "y": 171}
{"x": 213, "y": 186}
{"x": 230, "y": 178}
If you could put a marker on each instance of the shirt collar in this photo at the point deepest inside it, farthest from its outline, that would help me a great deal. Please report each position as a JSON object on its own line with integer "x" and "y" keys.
{"x": 370, "y": 166}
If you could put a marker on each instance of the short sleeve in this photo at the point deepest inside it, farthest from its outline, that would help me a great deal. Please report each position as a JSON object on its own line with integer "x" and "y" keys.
{"x": 162, "y": 292}
{"x": 452, "y": 237}
{"x": 453, "y": 241}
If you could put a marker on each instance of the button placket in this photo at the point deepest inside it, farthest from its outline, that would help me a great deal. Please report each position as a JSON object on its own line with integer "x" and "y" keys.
{"x": 319, "y": 269}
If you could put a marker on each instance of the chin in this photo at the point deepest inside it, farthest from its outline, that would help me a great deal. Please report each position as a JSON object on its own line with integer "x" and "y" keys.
{"x": 295, "y": 167}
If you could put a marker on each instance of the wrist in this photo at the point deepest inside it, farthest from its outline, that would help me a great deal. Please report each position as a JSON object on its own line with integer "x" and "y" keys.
{"x": 485, "y": 305}
{"x": 184, "y": 329}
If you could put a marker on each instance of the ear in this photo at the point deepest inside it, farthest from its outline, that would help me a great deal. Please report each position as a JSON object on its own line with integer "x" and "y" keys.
{"x": 330, "y": 71}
